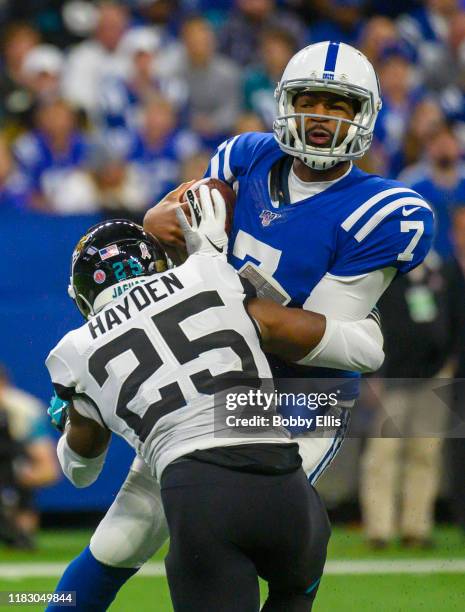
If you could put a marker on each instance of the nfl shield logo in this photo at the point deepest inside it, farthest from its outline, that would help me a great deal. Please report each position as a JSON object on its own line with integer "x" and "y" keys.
{"x": 267, "y": 216}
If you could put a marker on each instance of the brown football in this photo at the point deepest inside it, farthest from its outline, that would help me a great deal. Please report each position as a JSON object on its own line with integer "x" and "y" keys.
{"x": 226, "y": 191}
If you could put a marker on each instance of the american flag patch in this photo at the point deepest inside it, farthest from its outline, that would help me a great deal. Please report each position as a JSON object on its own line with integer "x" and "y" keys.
{"x": 109, "y": 251}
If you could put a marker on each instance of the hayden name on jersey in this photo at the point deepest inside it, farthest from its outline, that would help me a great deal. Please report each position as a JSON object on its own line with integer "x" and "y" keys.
{"x": 148, "y": 365}
{"x": 360, "y": 223}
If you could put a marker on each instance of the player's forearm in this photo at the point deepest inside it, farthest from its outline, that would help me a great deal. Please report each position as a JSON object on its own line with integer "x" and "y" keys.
{"x": 310, "y": 339}
{"x": 351, "y": 342}
{"x": 82, "y": 449}
{"x": 288, "y": 332}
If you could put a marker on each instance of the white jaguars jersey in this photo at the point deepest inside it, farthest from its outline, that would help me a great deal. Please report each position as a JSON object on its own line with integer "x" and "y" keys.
{"x": 148, "y": 365}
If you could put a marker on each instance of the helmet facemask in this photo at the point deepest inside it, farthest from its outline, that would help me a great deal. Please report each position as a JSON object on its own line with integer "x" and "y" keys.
{"x": 289, "y": 127}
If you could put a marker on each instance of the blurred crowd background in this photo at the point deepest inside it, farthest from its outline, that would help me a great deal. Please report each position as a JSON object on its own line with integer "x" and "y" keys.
{"x": 106, "y": 106}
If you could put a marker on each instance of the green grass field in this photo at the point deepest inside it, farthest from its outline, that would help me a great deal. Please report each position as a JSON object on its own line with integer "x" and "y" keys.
{"x": 356, "y": 578}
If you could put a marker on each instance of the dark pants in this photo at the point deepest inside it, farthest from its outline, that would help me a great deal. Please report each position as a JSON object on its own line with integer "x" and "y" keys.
{"x": 229, "y": 527}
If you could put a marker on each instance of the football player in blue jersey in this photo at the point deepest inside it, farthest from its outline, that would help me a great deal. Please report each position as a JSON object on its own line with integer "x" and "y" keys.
{"x": 330, "y": 236}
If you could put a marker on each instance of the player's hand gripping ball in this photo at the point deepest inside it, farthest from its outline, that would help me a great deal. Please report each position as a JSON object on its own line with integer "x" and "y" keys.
{"x": 192, "y": 193}
{"x": 204, "y": 230}
{"x": 162, "y": 222}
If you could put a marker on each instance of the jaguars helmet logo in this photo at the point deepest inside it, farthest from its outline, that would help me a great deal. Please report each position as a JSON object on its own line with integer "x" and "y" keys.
{"x": 78, "y": 248}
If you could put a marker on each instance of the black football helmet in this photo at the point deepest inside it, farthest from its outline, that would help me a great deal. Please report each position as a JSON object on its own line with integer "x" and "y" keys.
{"x": 110, "y": 253}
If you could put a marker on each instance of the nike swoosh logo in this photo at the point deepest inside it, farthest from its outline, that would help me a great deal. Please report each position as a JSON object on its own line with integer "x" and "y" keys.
{"x": 408, "y": 211}
{"x": 214, "y": 245}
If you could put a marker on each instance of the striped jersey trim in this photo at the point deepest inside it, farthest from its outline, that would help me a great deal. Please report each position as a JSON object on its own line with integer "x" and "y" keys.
{"x": 333, "y": 449}
{"x": 215, "y": 162}
{"x": 358, "y": 213}
{"x": 378, "y": 217}
{"x": 228, "y": 175}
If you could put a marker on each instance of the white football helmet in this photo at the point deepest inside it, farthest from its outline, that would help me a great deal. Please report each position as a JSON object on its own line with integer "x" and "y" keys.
{"x": 332, "y": 67}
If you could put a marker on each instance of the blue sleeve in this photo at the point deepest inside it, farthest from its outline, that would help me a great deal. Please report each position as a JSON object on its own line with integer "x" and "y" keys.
{"x": 233, "y": 157}
{"x": 400, "y": 237}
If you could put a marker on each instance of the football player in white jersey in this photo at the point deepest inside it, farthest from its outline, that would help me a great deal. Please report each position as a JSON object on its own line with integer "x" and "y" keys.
{"x": 336, "y": 259}
{"x": 154, "y": 364}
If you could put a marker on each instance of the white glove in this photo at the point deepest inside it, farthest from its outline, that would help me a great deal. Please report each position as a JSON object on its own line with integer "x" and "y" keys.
{"x": 205, "y": 233}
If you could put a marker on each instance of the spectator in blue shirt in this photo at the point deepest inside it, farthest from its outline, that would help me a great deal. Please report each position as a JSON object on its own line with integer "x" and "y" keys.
{"x": 340, "y": 20}
{"x": 427, "y": 31}
{"x": 441, "y": 181}
{"x": 121, "y": 98}
{"x": 159, "y": 148}
{"x": 400, "y": 95}
{"x": 48, "y": 155}
{"x": 452, "y": 96}
{"x": 96, "y": 57}
{"x": 239, "y": 39}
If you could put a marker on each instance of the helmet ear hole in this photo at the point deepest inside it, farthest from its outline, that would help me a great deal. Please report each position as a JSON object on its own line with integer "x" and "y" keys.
{"x": 84, "y": 306}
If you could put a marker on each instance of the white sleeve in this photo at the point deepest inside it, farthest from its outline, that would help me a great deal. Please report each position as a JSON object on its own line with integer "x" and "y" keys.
{"x": 81, "y": 471}
{"x": 348, "y": 345}
{"x": 87, "y": 409}
{"x": 350, "y": 342}
{"x": 349, "y": 298}
{"x": 60, "y": 363}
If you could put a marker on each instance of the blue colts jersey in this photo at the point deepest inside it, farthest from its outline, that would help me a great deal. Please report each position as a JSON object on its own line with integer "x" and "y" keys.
{"x": 361, "y": 223}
